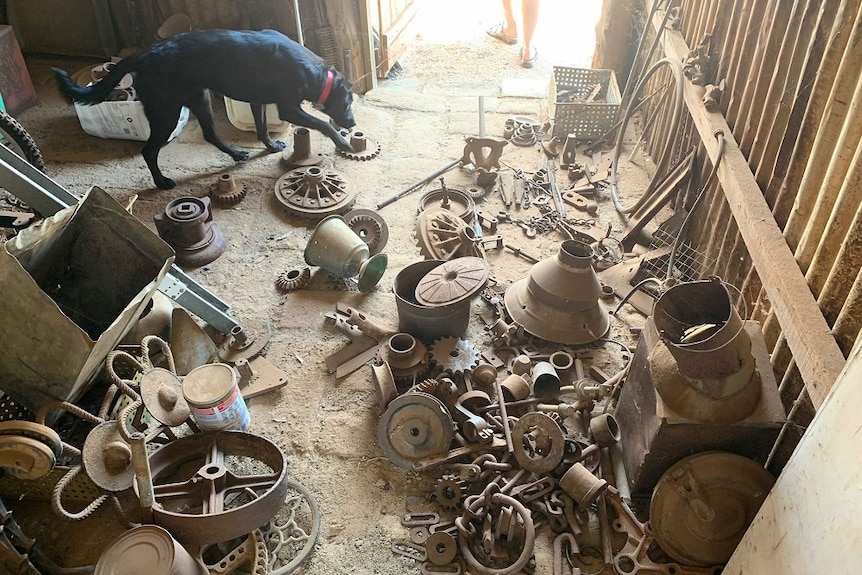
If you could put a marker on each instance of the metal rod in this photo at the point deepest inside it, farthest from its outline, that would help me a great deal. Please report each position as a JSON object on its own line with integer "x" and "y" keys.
{"x": 298, "y": 22}
{"x": 415, "y": 185}
{"x": 481, "y": 116}
{"x": 504, "y": 416}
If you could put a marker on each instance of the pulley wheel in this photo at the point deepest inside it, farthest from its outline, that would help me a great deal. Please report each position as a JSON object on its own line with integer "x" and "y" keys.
{"x": 413, "y": 427}
{"x": 25, "y": 458}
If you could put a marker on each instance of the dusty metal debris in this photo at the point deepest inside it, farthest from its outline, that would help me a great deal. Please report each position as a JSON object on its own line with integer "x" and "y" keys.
{"x": 186, "y": 225}
{"x": 294, "y": 279}
{"x": 442, "y": 235}
{"x": 246, "y": 341}
{"x": 483, "y": 153}
{"x": 336, "y": 248}
{"x": 452, "y": 199}
{"x": 426, "y": 323}
{"x": 414, "y": 426}
{"x": 364, "y": 148}
{"x": 406, "y": 356}
{"x": 452, "y": 282}
{"x": 314, "y": 192}
{"x": 370, "y": 226}
{"x": 162, "y": 394}
{"x": 150, "y": 545}
{"x": 228, "y": 191}
{"x": 301, "y": 156}
{"x": 454, "y": 355}
{"x": 244, "y": 479}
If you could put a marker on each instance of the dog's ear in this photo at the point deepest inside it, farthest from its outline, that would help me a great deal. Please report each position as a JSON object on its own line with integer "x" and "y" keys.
{"x": 344, "y": 80}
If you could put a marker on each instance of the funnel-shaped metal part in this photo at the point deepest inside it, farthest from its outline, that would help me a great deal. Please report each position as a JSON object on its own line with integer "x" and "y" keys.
{"x": 558, "y": 300}
{"x": 334, "y": 247}
{"x": 703, "y": 368}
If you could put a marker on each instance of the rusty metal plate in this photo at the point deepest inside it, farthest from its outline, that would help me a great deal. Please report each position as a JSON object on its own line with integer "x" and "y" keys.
{"x": 454, "y": 281}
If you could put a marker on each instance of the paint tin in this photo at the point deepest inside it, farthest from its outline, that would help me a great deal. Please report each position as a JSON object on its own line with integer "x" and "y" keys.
{"x": 213, "y": 395}
{"x": 147, "y": 550}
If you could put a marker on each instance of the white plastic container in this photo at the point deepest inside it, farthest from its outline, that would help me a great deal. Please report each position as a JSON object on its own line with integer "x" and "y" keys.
{"x": 239, "y": 114}
{"x": 121, "y": 120}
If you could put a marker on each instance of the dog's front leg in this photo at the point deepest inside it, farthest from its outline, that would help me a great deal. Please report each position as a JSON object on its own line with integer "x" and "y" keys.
{"x": 298, "y": 116}
{"x": 258, "y": 112}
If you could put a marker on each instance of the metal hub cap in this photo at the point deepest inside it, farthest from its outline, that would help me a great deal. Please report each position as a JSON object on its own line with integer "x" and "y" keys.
{"x": 313, "y": 192}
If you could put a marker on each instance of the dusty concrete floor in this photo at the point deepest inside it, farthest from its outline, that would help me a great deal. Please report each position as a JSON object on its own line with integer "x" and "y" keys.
{"x": 326, "y": 426}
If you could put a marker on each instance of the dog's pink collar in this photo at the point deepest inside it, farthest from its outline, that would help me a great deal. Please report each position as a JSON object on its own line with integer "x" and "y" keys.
{"x": 326, "y": 88}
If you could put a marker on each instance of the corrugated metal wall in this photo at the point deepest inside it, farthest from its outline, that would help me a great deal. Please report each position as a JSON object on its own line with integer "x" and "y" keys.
{"x": 792, "y": 101}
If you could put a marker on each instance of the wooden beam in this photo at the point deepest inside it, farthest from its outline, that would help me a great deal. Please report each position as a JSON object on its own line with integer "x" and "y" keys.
{"x": 814, "y": 348}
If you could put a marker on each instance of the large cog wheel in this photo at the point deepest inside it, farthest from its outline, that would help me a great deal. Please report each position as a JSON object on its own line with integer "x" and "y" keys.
{"x": 314, "y": 192}
{"x": 442, "y": 235}
{"x": 454, "y": 355}
{"x": 370, "y": 226}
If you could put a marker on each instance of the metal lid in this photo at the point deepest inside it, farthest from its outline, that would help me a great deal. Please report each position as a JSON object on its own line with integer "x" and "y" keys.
{"x": 145, "y": 550}
{"x": 452, "y": 282}
{"x": 107, "y": 458}
{"x": 162, "y": 393}
{"x": 209, "y": 383}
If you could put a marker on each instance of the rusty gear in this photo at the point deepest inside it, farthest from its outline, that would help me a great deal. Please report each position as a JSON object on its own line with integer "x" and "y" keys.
{"x": 454, "y": 355}
{"x": 442, "y": 235}
{"x": 407, "y": 358}
{"x": 293, "y": 279}
{"x": 314, "y": 192}
{"x": 363, "y": 148}
{"x": 228, "y": 191}
{"x": 443, "y": 389}
{"x": 370, "y": 226}
{"x": 450, "y": 491}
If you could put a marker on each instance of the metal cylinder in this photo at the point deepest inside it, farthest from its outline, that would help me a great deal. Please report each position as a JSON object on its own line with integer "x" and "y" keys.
{"x": 605, "y": 430}
{"x": 301, "y": 142}
{"x": 515, "y": 388}
{"x": 425, "y": 322}
{"x": 521, "y": 365}
{"x": 581, "y": 485}
{"x": 546, "y": 382}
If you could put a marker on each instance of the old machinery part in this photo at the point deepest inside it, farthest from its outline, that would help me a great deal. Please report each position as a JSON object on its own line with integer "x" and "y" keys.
{"x": 25, "y": 458}
{"x": 150, "y": 549}
{"x": 508, "y": 128}
{"x": 245, "y": 341}
{"x": 476, "y": 192}
{"x": 228, "y": 190}
{"x": 703, "y": 366}
{"x": 453, "y": 281}
{"x": 496, "y": 507}
{"x": 466, "y": 410}
{"x": 293, "y": 531}
{"x": 384, "y": 383}
{"x": 215, "y": 486}
{"x": 605, "y": 430}
{"x": 162, "y": 393}
{"x": 364, "y": 148}
{"x": 314, "y": 192}
{"x": 704, "y": 503}
{"x": 546, "y": 380}
{"x": 250, "y": 553}
{"x": 483, "y": 376}
{"x": 410, "y": 550}
{"x": 559, "y": 299}
{"x": 441, "y": 548}
{"x": 484, "y": 153}
{"x": 37, "y": 431}
{"x": 515, "y": 388}
{"x": 581, "y": 485}
{"x": 334, "y": 247}
{"x": 454, "y": 355}
{"x": 292, "y": 280}
{"x": 186, "y": 225}
{"x": 407, "y": 358}
{"x": 413, "y": 186}
{"x": 524, "y": 136}
{"x": 107, "y": 458}
{"x": 452, "y": 199}
{"x": 370, "y": 226}
{"x": 443, "y": 389}
{"x": 538, "y": 442}
{"x": 442, "y": 235}
{"x": 301, "y": 156}
{"x": 415, "y": 426}
{"x": 449, "y": 492}
{"x": 425, "y": 322}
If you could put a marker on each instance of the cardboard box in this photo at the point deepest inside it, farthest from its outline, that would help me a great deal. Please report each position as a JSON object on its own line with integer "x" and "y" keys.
{"x": 72, "y": 286}
{"x": 121, "y": 120}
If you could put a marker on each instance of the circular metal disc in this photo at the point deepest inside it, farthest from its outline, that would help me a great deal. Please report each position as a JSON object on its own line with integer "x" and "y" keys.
{"x": 144, "y": 549}
{"x": 441, "y": 548}
{"x": 454, "y": 281}
{"x": 549, "y": 433}
{"x": 162, "y": 392}
{"x": 452, "y": 199}
{"x": 25, "y": 458}
{"x": 371, "y": 270}
{"x": 35, "y": 431}
{"x": 314, "y": 192}
{"x": 413, "y": 427}
{"x": 107, "y": 458}
{"x": 370, "y": 227}
{"x": 703, "y": 504}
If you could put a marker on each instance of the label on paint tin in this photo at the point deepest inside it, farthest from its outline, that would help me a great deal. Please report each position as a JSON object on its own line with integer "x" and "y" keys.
{"x": 229, "y": 415}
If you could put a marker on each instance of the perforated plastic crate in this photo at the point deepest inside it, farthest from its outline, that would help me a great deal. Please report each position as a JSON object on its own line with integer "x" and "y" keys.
{"x": 570, "y": 109}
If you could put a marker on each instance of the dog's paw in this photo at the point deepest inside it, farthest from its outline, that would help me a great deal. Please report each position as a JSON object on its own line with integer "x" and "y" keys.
{"x": 276, "y": 146}
{"x": 343, "y": 145}
{"x": 240, "y": 156}
{"x": 165, "y": 183}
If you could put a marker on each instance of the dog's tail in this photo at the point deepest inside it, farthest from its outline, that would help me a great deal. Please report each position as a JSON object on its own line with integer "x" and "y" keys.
{"x": 99, "y": 91}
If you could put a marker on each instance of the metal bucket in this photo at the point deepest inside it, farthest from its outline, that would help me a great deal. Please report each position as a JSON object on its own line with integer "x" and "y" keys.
{"x": 423, "y": 322}
{"x": 147, "y": 550}
{"x": 214, "y": 398}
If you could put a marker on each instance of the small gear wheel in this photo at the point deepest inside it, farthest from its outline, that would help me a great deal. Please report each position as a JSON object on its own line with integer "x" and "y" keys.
{"x": 454, "y": 355}
{"x": 293, "y": 279}
{"x": 370, "y": 227}
{"x": 476, "y": 192}
{"x": 407, "y": 358}
{"x": 443, "y": 389}
{"x": 450, "y": 491}
{"x": 228, "y": 191}
{"x": 363, "y": 148}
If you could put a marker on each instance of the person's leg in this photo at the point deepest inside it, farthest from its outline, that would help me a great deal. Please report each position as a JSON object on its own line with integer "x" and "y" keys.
{"x": 530, "y": 18}
{"x": 510, "y": 29}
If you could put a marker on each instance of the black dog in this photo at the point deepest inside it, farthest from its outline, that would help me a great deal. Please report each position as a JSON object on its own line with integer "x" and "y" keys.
{"x": 261, "y": 68}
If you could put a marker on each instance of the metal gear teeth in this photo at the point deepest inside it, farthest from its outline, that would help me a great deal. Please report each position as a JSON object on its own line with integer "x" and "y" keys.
{"x": 445, "y": 391}
{"x": 476, "y": 192}
{"x": 293, "y": 279}
{"x": 370, "y": 226}
{"x": 365, "y": 149}
{"x": 454, "y": 355}
{"x": 450, "y": 491}
{"x": 228, "y": 191}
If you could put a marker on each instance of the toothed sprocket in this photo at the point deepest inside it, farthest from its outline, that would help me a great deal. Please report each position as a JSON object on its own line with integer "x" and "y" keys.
{"x": 454, "y": 355}
{"x": 450, "y": 491}
{"x": 293, "y": 279}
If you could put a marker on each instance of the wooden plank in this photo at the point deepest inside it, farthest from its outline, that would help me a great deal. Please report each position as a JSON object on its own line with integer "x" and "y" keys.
{"x": 394, "y": 38}
{"x": 816, "y": 352}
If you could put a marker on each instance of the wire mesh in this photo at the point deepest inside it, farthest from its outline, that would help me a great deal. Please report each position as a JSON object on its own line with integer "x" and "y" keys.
{"x": 689, "y": 263}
